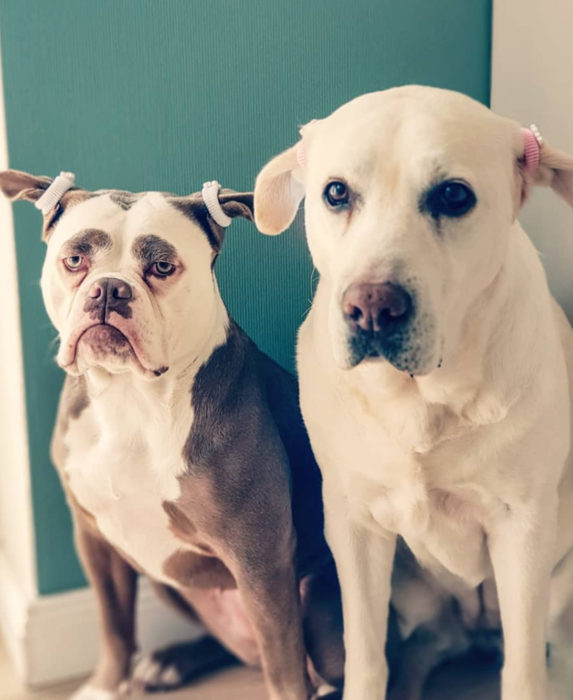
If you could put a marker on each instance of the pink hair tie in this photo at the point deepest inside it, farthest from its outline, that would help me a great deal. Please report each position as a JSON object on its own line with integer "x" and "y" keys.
{"x": 532, "y": 143}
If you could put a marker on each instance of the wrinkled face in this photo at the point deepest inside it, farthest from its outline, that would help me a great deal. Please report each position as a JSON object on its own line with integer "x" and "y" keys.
{"x": 128, "y": 283}
{"x": 410, "y": 196}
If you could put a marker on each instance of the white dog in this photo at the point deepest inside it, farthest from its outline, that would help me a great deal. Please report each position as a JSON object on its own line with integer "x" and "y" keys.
{"x": 435, "y": 371}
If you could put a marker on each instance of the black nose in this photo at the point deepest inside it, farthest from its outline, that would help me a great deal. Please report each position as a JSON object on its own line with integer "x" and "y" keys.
{"x": 376, "y": 307}
{"x": 109, "y": 294}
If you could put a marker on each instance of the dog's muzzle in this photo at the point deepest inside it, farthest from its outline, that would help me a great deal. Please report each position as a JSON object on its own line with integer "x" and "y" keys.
{"x": 378, "y": 318}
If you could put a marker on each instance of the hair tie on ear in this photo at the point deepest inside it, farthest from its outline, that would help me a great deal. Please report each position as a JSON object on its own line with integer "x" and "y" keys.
{"x": 57, "y": 189}
{"x": 532, "y": 143}
{"x": 210, "y": 194}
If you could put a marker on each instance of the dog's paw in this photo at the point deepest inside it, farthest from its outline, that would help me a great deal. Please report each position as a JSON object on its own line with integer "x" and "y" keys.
{"x": 89, "y": 692}
{"x": 150, "y": 672}
{"x": 180, "y": 664}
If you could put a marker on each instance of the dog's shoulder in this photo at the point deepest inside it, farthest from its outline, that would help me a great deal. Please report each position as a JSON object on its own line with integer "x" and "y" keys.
{"x": 249, "y": 443}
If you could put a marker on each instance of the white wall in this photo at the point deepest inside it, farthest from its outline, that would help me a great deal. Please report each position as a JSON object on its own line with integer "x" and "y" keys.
{"x": 17, "y": 556}
{"x": 532, "y": 81}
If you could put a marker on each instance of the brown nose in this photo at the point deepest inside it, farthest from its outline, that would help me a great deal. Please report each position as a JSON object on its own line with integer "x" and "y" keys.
{"x": 109, "y": 294}
{"x": 376, "y": 307}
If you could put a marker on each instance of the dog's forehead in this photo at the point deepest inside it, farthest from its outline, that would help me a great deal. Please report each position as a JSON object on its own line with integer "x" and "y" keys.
{"x": 412, "y": 127}
{"x": 125, "y": 216}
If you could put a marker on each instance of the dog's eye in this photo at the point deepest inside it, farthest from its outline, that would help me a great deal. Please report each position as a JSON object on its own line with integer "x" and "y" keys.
{"x": 450, "y": 198}
{"x": 74, "y": 262}
{"x": 336, "y": 194}
{"x": 161, "y": 268}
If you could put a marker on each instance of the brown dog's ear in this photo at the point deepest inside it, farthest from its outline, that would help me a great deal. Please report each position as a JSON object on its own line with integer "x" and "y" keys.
{"x": 556, "y": 171}
{"x": 237, "y": 204}
{"x": 18, "y": 185}
{"x": 278, "y": 192}
{"x": 232, "y": 203}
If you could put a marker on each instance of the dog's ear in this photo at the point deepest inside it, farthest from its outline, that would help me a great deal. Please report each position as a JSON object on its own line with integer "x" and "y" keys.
{"x": 555, "y": 170}
{"x": 237, "y": 204}
{"x": 232, "y": 203}
{"x": 18, "y": 185}
{"x": 278, "y": 192}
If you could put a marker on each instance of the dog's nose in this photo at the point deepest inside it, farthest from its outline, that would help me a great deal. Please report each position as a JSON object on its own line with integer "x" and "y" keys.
{"x": 110, "y": 287}
{"x": 109, "y": 294}
{"x": 376, "y": 307}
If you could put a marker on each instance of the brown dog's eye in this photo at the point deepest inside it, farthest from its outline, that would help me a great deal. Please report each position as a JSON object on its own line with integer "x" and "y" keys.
{"x": 161, "y": 268}
{"x": 74, "y": 263}
{"x": 336, "y": 194}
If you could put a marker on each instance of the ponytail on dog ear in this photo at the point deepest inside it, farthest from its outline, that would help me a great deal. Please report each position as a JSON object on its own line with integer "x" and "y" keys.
{"x": 278, "y": 192}
{"x": 555, "y": 170}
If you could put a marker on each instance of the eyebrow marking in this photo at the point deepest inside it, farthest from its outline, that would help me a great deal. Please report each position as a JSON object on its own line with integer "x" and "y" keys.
{"x": 86, "y": 241}
{"x": 151, "y": 248}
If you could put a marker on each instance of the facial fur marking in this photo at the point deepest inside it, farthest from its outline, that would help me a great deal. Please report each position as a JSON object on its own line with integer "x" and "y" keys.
{"x": 85, "y": 242}
{"x": 151, "y": 248}
{"x": 123, "y": 199}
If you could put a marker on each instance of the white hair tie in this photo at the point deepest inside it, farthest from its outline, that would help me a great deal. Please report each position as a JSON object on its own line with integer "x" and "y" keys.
{"x": 59, "y": 186}
{"x": 210, "y": 194}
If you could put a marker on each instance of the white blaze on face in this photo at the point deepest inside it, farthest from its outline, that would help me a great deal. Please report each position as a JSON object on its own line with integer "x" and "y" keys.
{"x": 391, "y": 149}
{"x": 166, "y": 319}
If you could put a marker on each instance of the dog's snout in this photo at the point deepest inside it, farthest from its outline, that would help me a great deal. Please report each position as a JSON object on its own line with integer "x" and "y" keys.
{"x": 373, "y": 307}
{"x": 109, "y": 294}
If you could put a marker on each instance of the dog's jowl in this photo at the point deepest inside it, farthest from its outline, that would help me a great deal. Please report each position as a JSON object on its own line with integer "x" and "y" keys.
{"x": 436, "y": 372}
{"x": 179, "y": 444}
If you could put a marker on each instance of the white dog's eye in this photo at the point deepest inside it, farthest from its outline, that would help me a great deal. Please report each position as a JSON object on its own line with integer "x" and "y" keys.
{"x": 162, "y": 268}
{"x": 450, "y": 198}
{"x": 336, "y": 194}
{"x": 74, "y": 262}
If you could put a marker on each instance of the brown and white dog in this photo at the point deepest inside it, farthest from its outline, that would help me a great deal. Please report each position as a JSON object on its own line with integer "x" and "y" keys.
{"x": 179, "y": 444}
{"x": 436, "y": 375}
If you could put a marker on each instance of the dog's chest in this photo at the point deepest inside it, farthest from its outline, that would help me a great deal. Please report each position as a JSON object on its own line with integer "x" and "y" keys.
{"x": 122, "y": 469}
{"x": 434, "y": 500}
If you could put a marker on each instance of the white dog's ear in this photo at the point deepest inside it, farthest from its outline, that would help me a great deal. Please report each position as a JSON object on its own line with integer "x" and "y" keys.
{"x": 556, "y": 171}
{"x": 18, "y": 185}
{"x": 278, "y": 193}
{"x": 550, "y": 168}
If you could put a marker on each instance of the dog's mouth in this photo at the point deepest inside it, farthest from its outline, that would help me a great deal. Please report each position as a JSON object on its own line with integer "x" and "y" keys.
{"x": 408, "y": 349}
{"x": 106, "y": 345}
{"x": 104, "y": 339}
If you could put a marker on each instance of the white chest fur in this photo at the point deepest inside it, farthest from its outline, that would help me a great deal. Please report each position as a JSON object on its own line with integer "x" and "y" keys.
{"x": 125, "y": 453}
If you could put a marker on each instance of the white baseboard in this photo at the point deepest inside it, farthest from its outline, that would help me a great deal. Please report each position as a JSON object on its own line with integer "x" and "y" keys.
{"x": 55, "y": 638}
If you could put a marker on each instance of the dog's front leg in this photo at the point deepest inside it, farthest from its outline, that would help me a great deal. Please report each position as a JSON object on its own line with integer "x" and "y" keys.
{"x": 521, "y": 546}
{"x": 114, "y": 584}
{"x": 364, "y": 560}
{"x": 272, "y": 602}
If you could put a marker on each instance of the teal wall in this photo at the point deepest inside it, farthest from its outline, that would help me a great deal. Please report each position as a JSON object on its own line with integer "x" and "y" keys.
{"x": 138, "y": 94}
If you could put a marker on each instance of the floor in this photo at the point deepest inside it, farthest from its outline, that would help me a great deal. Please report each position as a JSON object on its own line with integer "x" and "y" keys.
{"x": 460, "y": 681}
